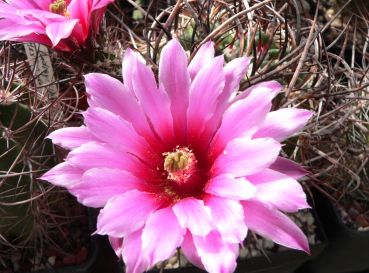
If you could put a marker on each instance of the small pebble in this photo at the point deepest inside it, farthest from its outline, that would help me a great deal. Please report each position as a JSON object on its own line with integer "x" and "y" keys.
{"x": 183, "y": 260}
{"x": 173, "y": 260}
{"x": 51, "y": 260}
{"x": 268, "y": 244}
{"x": 254, "y": 253}
{"x": 310, "y": 219}
{"x": 159, "y": 265}
{"x": 363, "y": 229}
{"x": 244, "y": 252}
{"x": 311, "y": 239}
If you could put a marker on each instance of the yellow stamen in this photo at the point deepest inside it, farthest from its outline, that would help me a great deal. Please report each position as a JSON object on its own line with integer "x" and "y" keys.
{"x": 179, "y": 164}
{"x": 175, "y": 161}
{"x": 59, "y": 7}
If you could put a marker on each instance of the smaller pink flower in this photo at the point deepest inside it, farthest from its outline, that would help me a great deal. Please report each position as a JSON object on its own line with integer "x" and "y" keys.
{"x": 63, "y": 24}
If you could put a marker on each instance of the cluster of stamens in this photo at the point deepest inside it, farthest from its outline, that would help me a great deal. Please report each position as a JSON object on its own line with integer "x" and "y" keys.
{"x": 179, "y": 164}
{"x": 59, "y": 7}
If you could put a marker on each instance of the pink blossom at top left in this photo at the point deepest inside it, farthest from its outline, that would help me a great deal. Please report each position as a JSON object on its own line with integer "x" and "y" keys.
{"x": 64, "y": 25}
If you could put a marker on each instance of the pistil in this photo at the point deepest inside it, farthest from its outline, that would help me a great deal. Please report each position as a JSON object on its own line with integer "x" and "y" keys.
{"x": 179, "y": 164}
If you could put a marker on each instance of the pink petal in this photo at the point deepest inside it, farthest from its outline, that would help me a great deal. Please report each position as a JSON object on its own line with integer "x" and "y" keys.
{"x": 110, "y": 94}
{"x": 175, "y": 78}
{"x": 282, "y": 123}
{"x": 63, "y": 175}
{"x": 114, "y": 130}
{"x": 100, "y": 184}
{"x": 274, "y": 86}
{"x": 92, "y": 155}
{"x": 6, "y": 9}
{"x": 97, "y": 155}
{"x": 234, "y": 72}
{"x": 95, "y": 20}
{"x": 274, "y": 225}
{"x": 86, "y": 12}
{"x": 60, "y": 30}
{"x": 194, "y": 215}
{"x": 10, "y": 30}
{"x": 228, "y": 218}
{"x": 288, "y": 167}
{"x": 161, "y": 235}
{"x": 216, "y": 255}
{"x": 190, "y": 251}
{"x": 243, "y": 116}
{"x": 81, "y": 10}
{"x": 225, "y": 185}
{"x": 204, "y": 55}
{"x": 279, "y": 190}
{"x": 117, "y": 245}
{"x": 126, "y": 213}
{"x": 43, "y": 4}
{"x": 21, "y": 4}
{"x": 71, "y": 137}
{"x": 153, "y": 100}
{"x": 98, "y": 4}
{"x": 130, "y": 59}
{"x": 205, "y": 89}
{"x": 132, "y": 253}
{"x": 42, "y": 39}
{"x": 45, "y": 17}
{"x": 243, "y": 156}
{"x": 25, "y": 18}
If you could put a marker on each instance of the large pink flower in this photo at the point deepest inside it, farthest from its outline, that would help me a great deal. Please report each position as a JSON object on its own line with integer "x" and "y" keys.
{"x": 62, "y": 24}
{"x": 184, "y": 163}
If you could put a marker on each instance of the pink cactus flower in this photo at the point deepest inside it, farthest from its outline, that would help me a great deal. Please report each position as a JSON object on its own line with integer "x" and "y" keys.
{"x": 63, "y": 24}
{"x": 185, "y": 162}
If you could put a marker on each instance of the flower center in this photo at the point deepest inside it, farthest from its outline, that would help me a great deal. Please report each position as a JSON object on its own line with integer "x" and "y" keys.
{"x": 59, "y": 7}
{"x": 180, "y": 164}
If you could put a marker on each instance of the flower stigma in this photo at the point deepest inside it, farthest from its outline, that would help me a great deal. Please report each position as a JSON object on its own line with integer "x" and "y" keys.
{"x": 180, "y": 164}
{"x": 59, "y": 7}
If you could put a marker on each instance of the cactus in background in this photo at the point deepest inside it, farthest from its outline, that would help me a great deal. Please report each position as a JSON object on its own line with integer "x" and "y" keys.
{"x": 34, "y": 216}
{"x": 23, "y": 154}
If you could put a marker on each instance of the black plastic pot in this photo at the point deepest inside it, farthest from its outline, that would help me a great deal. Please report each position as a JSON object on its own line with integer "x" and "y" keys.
{"x": 101, "y": 257}
{"x": 348, "y": 249}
